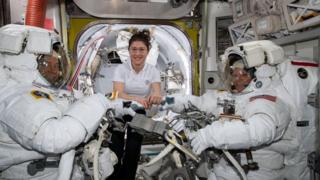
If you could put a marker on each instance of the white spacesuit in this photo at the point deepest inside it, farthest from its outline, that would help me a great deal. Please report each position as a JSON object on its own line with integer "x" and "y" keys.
{"x": 260, "y": 102}
{"x": 39, "y": 122}
{"x": 300, "y": 78}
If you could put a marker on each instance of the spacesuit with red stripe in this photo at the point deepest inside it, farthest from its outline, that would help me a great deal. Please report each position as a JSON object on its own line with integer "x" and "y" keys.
{"x": 263, "y": 105}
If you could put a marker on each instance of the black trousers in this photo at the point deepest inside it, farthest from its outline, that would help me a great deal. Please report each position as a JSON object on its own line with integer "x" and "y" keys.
{"x": 128, "y": 153}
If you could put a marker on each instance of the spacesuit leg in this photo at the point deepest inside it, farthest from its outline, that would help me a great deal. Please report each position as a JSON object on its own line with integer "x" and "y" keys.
{"x": 223, "y": 171}
{"x": 298, "y": 171}
{"x": 296, "y": 160}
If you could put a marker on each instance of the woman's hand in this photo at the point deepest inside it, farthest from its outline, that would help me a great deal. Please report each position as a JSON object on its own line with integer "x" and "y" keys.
{"x": 154, "y": 99}
{"x": 143, "y": 102}
{"x": 119, "y": 86}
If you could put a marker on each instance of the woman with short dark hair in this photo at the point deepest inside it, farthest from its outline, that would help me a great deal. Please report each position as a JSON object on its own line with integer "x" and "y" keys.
{"x": 140, "y": 82}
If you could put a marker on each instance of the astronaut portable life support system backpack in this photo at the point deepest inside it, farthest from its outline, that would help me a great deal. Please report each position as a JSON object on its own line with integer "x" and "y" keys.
{"x": 300, "y": 78}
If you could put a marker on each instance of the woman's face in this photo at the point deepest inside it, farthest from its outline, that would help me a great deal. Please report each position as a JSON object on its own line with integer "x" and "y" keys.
{"x": 50, "y": 69}
{"x": 240, "y": 79}
{"x": 138, "y": 52}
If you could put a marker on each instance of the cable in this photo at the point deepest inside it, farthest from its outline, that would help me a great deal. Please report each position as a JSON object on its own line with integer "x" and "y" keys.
{"x": 96, "y": 153}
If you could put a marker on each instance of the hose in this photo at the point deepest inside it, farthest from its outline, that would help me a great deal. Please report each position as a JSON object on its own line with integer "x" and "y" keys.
{"x": 235, "y": 164}
{"x": 96, "y": 153}
{"x": 36, "y": 13}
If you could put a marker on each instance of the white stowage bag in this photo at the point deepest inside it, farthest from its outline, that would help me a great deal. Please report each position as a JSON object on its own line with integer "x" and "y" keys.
{"x": 107, "y": 159}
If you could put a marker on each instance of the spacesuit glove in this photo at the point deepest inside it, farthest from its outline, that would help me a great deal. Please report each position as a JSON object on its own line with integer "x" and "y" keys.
{"x": 107, "y": 159}
{"x": 175, "y": 102}
{"x": 88, "y": 111}
{"x": 117, "y": 105}
{"x": 178, "y": 124}
{"x": 198, "y": 141}
{"x": 120, "y": 110}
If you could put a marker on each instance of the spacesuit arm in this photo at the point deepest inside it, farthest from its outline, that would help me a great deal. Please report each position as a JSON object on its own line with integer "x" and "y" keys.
{"x": 207, "y": 102}
{"x": 76, "y": 125}
{"x": 266, "y": 122}
{"x": 38, "y": 123}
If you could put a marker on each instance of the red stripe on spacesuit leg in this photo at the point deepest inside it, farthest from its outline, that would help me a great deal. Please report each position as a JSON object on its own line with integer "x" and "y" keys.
{"x": 309, "y": 64}
{"x": 267, "y": 97}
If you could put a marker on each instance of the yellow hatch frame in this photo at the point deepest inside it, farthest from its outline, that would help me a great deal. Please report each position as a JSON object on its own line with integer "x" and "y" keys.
{"x": 189, "y": 26}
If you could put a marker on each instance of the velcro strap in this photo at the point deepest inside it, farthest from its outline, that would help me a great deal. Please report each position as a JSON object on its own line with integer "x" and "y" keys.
{"x": 302, "y": 123}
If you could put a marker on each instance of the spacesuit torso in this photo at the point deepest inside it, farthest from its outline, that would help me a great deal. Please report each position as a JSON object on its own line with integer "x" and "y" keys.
{"x": 15, "y": 157}
{"x": 266, "y": 118}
